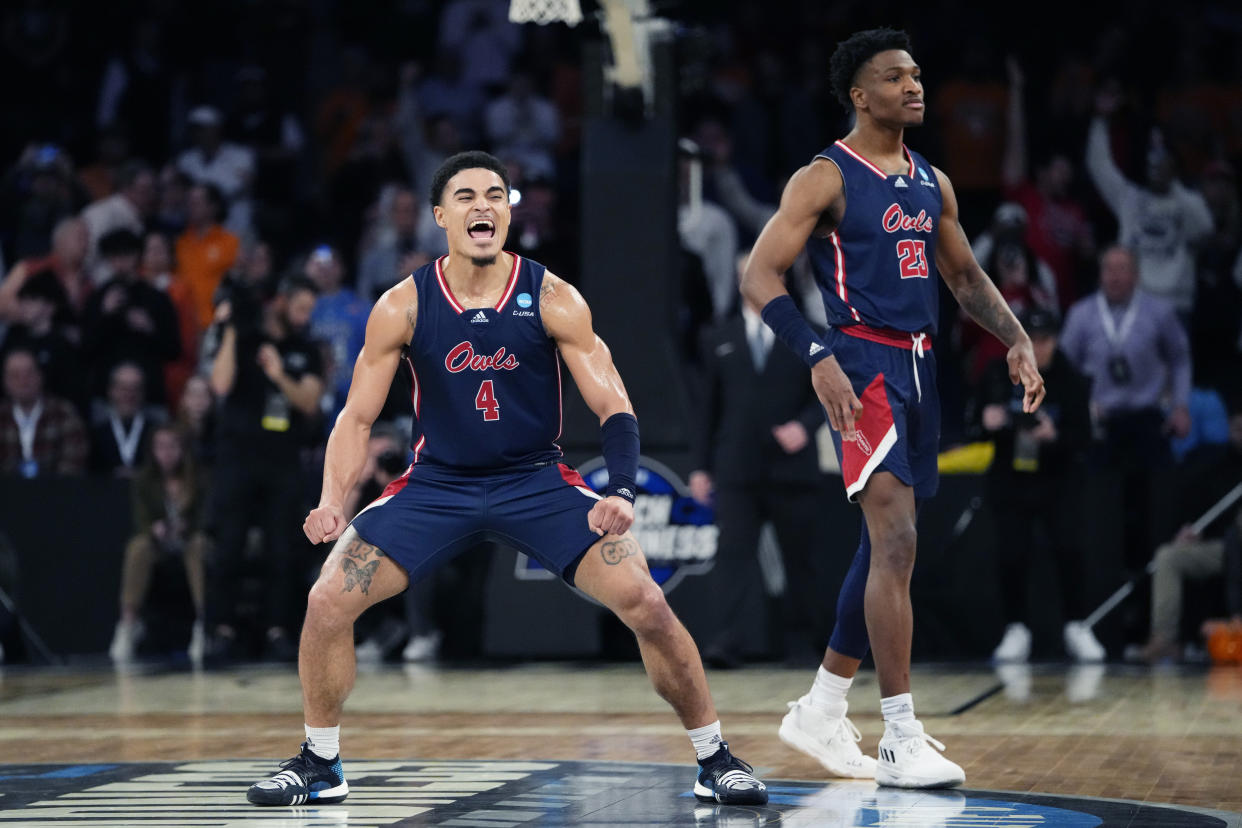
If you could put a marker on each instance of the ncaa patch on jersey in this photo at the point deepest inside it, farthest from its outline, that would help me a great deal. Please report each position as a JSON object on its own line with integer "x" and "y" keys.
{"x": 524, "y": 300}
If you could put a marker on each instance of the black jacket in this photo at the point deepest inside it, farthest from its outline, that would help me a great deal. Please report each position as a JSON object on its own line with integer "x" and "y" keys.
{"x": 1067, "y": 404}
{"x": 732, "y": 438}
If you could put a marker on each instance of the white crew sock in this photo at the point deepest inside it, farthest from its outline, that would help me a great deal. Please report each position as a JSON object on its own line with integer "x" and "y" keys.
{"x": 325, "y": 742}
{"x": 706, "y": 739}
{"x": 898, "y": 708}
{"x": 828, "y": 693}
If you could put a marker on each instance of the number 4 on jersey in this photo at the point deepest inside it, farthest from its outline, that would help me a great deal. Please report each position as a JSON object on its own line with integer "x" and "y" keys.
{"x": 912, "y": 259}
{"x": 485, "y": 401}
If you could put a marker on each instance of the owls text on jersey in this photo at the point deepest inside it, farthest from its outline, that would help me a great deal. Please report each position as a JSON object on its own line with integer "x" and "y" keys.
{"x": 486, "y": 381}
{"x": 878, "y": 268}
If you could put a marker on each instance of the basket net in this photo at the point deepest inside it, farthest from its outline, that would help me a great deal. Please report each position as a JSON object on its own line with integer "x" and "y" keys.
{"x": 545, "y": 11}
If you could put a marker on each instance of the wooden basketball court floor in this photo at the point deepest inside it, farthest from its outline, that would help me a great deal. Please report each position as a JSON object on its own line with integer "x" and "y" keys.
{"x": 1157, "y": 736}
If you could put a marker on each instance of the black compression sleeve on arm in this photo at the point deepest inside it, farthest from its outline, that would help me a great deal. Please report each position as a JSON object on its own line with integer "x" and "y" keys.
{"x": 619, "y": 435}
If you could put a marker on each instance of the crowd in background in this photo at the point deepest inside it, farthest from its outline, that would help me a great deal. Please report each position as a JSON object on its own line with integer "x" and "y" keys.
{"x": 199, "y": 206}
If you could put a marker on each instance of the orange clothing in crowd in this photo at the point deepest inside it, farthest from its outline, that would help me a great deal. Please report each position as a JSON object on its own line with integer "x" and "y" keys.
{"x": 202, "y": 260}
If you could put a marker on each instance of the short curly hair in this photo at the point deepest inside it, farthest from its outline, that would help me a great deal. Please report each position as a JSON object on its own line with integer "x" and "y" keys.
{"x": 855, "y": 51}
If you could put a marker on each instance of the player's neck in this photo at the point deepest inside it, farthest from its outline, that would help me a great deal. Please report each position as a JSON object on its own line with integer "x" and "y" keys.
{"x": 877, "y": 143}
{"x": 468, "y": 278}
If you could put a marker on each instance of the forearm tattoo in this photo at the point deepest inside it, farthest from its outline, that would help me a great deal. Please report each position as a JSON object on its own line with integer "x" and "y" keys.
{"x": 614, "y": 552}
{"x": 987, "y": 307}
{"x": 358, "y": 570}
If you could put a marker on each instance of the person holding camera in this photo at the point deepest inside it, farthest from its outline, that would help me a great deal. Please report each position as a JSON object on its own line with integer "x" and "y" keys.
{"x": 268, "y": 376}
{"x": 1134, "y": 349}
{"x": 1031, "y": 491}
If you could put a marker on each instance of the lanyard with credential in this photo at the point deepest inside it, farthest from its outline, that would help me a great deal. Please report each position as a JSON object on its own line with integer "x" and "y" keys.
{"x": 127, "y": 444}
{"x": 1116, "y": 336}
{"x": 26, "y": 425}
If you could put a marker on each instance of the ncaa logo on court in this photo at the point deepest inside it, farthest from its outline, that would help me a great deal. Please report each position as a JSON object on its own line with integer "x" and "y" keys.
{"x": 677, "y": 533}
{"x": 524, "y": 300}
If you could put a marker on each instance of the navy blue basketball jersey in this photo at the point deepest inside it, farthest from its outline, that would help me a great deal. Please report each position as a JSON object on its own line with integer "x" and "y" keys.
{"x": 487, "y": 381}
{"x": 878, "y": 267}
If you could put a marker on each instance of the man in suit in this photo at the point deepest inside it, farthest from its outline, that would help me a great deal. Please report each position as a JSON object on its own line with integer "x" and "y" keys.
{"x": 755, "y": 452}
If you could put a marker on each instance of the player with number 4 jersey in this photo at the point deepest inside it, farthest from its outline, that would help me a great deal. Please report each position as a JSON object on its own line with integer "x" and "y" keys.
{"x": 483, "y": 333}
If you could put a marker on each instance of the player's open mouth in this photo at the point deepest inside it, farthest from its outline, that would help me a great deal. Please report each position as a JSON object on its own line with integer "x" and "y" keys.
{"x": 481, "y": 229}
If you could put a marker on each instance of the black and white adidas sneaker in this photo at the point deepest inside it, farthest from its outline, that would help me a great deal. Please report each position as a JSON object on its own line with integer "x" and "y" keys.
{"x": 303, "y": 779}
{"x": 728, "y": 780}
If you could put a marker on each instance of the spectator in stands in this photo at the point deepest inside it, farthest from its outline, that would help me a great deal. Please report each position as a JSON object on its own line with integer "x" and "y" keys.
{"x": 196, "y": 417}
{"x": 1057, "y": 229}
{"x": 129, "y": 319}
{"x": 1134, "y": 350}
{"x": 172, "y": 205}
{"x": 706, "y": 230}
{"x": 40, "y": 435}
{"x": 38, "y": 192}
{"x": 40, "y": 303}
{"x": 756, "y": 460}
{"x": 974, "y": 103}
{"x": 67, "y": 260}
{"x": 205, "y": 251}
{"x": 228, "y": 166}
{"x": 1031, "y": 485}
{"x": 1160, "y": 222}
{"x": 167, "y": 496}
{"x": 157, "y": 268}
{"x": 524, "y": 125}
{"x": 393, "y": 251}
{"x": 1025, "y": 282}
{"x": 1205, "y": 477}
{"x": 269, "y": 378}
{"x": 339, "y": 322}
{"x": 119, "y": 439}
{"x": 130, "y": 208}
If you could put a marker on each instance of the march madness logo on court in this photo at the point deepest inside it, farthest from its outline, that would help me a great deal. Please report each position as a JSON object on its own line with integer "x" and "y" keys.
{"x": 677, "y": 533}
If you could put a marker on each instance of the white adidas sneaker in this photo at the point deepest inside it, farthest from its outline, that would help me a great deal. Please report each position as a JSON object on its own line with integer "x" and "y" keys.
{"x": 909, "y": 758}
{"x": 833, "y": 742}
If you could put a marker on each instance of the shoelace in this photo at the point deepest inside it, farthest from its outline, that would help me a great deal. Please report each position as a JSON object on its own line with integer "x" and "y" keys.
{"x": 849, "y": 728}
{"x": 908, "y": 732}
{"x": 846, "y": 724}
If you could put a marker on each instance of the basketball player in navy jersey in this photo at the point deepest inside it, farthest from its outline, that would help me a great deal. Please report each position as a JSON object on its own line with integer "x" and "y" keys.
{"x": 483, "y": 332}
{"x": 879, "y": 223}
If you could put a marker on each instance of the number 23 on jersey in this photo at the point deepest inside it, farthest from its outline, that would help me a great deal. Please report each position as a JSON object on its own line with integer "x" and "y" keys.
{"x": 912, "y": 259}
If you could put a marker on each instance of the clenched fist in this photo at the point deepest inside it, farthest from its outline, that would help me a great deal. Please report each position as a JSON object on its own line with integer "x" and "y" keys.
{"x": 611, "y": 516}
{"x": 324, "y": 524}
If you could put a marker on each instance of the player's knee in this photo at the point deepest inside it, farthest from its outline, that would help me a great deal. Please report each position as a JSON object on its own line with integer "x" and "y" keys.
{"x": 645, "y": 611}
{"x": 894, "y": 551}
{"x": 324, "y": 606}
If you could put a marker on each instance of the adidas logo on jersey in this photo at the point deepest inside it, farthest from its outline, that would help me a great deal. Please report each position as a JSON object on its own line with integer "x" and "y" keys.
{"x": 900, "y": 183}
{"x": 815, "y": 349}
{"x": 478, "y": 317}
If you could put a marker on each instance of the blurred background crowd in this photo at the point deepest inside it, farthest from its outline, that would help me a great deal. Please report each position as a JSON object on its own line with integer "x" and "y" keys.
{"x": 199, "y": 204}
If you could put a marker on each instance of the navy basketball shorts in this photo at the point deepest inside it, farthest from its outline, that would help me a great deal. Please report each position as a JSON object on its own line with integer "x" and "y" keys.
{"x": 899, "y": 428}
{"x": 433, "y": 513}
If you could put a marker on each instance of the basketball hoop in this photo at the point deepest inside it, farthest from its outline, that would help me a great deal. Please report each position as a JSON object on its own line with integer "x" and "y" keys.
{"x": 545, "y": 11}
